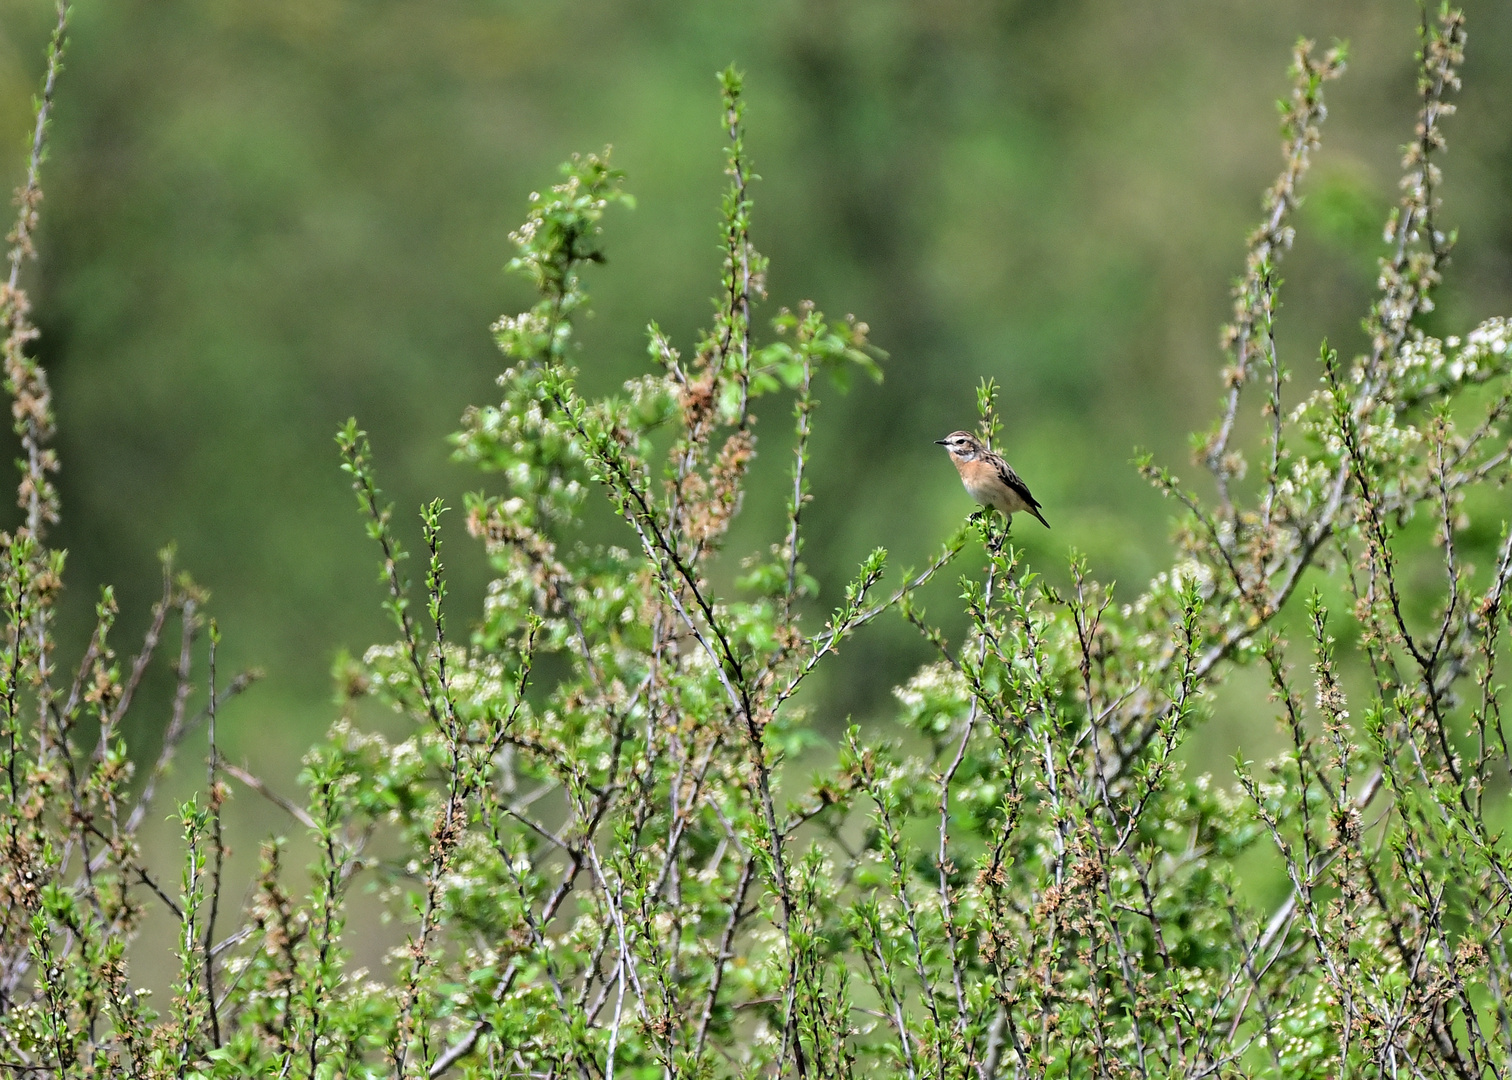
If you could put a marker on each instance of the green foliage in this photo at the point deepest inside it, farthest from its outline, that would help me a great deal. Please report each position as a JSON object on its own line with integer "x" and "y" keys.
{"x": 594, "y": 828}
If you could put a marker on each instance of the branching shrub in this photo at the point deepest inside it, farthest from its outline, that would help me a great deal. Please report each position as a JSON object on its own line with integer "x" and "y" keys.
{"x": 604, "y": 856}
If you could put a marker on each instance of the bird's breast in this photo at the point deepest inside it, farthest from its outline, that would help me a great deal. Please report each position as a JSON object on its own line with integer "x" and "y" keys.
{"x": 985, "y": 487}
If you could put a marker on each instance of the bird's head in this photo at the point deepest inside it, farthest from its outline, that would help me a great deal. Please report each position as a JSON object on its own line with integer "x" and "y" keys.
{"x": 963, "y": 445}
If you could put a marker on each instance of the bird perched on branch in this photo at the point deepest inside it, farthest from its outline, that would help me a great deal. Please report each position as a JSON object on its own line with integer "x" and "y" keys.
{"x": 989, "y": 479}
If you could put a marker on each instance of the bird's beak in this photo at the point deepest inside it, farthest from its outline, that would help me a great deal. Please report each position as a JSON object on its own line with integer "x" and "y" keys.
{"x": 939, "y": 442}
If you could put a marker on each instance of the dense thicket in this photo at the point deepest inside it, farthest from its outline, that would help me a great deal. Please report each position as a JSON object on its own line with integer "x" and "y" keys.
{"x": 595, "y": 833}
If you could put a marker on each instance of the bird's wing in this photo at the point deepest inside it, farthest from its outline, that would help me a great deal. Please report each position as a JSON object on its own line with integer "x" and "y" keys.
{"x": 1017, "y": 485}
{"x": 1011, "y": 478}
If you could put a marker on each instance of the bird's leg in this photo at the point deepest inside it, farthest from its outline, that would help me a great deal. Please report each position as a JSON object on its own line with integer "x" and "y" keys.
{"x": 993, "y": 536}
{"x": 984, "y": 519}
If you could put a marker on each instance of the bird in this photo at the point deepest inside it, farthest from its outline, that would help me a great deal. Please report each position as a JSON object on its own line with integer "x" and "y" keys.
{"x": 989, "y": 479}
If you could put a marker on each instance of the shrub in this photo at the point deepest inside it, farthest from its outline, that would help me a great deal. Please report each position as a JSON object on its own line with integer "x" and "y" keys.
{"x": 597, "y": 834}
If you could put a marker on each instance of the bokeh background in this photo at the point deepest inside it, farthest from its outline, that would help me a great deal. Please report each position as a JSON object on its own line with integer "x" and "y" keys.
{"x": 264, "y": 216}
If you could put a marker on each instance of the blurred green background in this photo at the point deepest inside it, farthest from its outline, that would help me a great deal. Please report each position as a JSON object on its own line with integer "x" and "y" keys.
{"x": 263, "y": 216}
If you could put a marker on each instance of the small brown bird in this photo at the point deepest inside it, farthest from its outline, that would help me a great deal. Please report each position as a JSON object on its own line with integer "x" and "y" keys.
{"x": 989, "y": 479}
